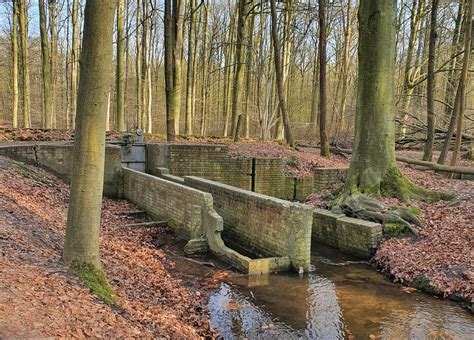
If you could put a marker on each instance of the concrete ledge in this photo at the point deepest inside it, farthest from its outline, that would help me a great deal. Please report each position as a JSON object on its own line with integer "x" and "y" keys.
{"x": 349, "y": 235}
{"x": 261, "y": 224}
{"x": 57, "y": 157}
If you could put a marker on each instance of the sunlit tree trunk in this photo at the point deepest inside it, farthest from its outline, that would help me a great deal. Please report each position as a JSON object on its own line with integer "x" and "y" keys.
{"x": 81, "y": 245}
{"x": 23, "y": 22}
{"x": 138, "y": 60}
{"x": 248, "y": 80}
{"x": 239, "y": 62}
{"x": 15, "y": 65}
{"x": 52, "y": 10}
{"x": 204, "y": 70}
{"x": 188, "y": 127}
{"x": 120, "y": 72}
{"x": 178, "y": 15}
{"x": 229, "y": 71}
{"x": 45, "y": 66}
{"x": 279, "y": 75}
{"x": 74, "y": 62}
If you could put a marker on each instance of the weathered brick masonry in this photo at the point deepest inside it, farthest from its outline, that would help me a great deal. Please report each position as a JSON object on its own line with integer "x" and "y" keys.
{"x": 57, "y": 158}
{"x": 349, "y": 235}
{"x": 214, "y": 163}
{"x": 191, "y": 213}
{"x": 260, "y": 224}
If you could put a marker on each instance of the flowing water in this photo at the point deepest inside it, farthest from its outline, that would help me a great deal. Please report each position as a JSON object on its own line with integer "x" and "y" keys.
{"x": 342, "y": 297}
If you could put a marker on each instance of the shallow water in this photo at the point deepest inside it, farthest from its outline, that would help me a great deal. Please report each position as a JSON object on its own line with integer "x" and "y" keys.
{"x": 341, "y": 297}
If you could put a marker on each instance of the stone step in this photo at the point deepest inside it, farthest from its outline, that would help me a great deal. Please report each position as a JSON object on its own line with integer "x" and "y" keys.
{"x": 152, "y": 224}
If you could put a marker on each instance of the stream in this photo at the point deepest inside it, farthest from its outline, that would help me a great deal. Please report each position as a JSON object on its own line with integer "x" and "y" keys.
{"x": 342, "y": 297}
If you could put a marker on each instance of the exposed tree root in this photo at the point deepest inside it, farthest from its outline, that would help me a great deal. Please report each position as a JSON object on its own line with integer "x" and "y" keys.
{"x": 354, "y": 201}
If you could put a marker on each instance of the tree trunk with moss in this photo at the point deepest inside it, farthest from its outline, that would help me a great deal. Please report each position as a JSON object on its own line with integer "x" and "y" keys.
{"x": 81, "y": 246}
{"x": 373, "y": 170}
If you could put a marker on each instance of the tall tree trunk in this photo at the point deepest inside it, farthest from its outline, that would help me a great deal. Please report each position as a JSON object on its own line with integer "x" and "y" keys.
{"x": 74, "y": 61}
{"x": 188, "y": 127}
{"x": 279, "y": 75}
{"x": 52, "y": 10}
{"x": 15, "y": 65}
{"x": 229, "y": 71}
{"x": 45, "y": 67}
{"x": 178, "y": 15}
{"x": 345, "y": 66}
{"x": 428, "y": 150}
{"x": 450, "y": 90}
{"x": 322, "y": 79}
{"x": 145, "y": 63}
{"x": 239, "y": 75}
{"x": 23, "y": 22}
{"x": 315, "y": 89}
{"x": 458, "y": 101}
{"x": 417, "y": 10}
{"x": 139, "y": 66}
{"x": 468, "y": 35}
{"x": 204, "y": 71}
{"x": 81, "y": 245}
{"x": 120, "y": 72}
{"x": 169, "y": 42}
{"x": 249, "y": 75}
{"x": 373, "y": 168}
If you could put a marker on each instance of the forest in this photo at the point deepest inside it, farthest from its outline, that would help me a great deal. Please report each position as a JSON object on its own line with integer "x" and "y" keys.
{"x": 217, "y": 69}
{"x": 236, "y": 169}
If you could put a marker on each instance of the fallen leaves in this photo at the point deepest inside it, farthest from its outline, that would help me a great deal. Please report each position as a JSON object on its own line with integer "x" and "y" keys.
{"x": 39, "y": 298}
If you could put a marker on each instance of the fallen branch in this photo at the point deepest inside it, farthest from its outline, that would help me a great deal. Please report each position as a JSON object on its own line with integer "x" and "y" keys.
{"x": 437, "y": 167}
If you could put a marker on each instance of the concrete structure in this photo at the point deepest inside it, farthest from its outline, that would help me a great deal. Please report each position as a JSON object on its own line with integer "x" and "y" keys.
{"x": 57, "y": 158}
{"x": 244, "y": 208}
{"x": 261, "y": 224}
{"x": 191, "y": 214}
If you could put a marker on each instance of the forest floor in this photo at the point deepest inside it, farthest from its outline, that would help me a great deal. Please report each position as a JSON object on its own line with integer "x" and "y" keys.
{"x": 442, "y": 253}
{"x": 40, "y": 298}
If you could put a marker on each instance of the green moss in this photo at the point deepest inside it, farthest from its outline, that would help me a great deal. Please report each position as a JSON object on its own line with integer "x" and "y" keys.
{"x": 423, "y": 283}
{"x": 394, "y": 229}
{"x": 395, "y": 184}
{"x": 96, "y": 280}
{"x": 292, "y": 161}
{"x": 23, "y": 170}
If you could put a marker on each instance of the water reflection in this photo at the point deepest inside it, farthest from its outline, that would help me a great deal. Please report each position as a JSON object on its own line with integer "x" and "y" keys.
{"x": 339, "y": 299}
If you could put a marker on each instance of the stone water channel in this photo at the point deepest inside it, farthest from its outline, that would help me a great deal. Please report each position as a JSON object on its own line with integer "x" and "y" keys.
{"x": 342, "y": 296}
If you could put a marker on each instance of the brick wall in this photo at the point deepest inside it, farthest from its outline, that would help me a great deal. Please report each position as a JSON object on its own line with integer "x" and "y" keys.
{"x": 260, "y": 224}
{"x": 191, "y": 213}
{"x": 323, "y": 177}
{"x": 165, "y": 200}
{"x": 349, "y": 235}
{"x": 57, "y": 159}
